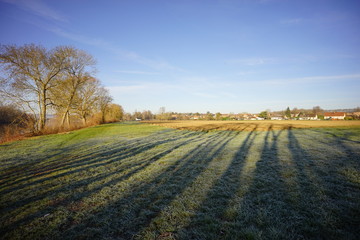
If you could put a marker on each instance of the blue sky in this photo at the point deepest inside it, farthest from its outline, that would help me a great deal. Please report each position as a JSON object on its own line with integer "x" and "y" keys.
{"x": 197, "y": 56}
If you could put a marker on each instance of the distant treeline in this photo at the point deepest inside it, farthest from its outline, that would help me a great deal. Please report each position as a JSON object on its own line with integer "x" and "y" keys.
{"x": 294, "y": 113}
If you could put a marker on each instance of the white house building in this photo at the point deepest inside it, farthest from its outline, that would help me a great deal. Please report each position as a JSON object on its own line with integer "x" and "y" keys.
{"x": 334, "y": 115}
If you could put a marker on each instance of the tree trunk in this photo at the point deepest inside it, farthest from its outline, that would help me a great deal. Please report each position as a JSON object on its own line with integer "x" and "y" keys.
{"x": 63, "y": 119}
{"x": 84, "y": 120}
{"x": 66, "y": 116}
{"x": 43, "y": 110}
{"x": 68, "y": 119}
{"x": 103, "y": 116}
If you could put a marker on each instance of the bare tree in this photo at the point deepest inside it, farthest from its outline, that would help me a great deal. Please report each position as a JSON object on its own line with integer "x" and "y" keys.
{"x": 31, "y": 72}
{"x": 79, "y": 68}
{"x": 36, "y": 78}
{"x": 87, "y": 98}
{"x": 317, "y": 110}
{"x": 147, "y": 115}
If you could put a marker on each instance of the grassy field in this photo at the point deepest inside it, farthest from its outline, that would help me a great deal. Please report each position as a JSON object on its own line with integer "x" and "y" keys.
{"x": 141, "y": 181}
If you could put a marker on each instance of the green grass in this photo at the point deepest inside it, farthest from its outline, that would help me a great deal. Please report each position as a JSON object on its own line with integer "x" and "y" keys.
{"x": 137, "y": 181}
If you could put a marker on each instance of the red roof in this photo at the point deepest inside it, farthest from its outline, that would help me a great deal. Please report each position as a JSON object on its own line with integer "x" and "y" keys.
{"x": 334, "y": 114}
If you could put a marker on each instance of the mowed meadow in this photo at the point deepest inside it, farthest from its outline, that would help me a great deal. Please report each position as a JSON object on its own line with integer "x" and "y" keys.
{"x": 143, "y": 181}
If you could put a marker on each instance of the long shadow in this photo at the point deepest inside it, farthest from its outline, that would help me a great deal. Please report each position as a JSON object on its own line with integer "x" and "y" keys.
{"x": 91, "y": 160}
{"x": 327, "y": 202}
{"x": 226, "y": 187}
{"x": 339, "y": 142}
{"x": 255, "y": 209}
{"x": 60, "y": 159}
{"x": 218, "y": 149}
{"x": 306, "y": 191}
{"x": 48, "y": 160}
{"x": 265, "y": 203}
{"x": 135, "y": 211}
{"x": 136, "y": 167}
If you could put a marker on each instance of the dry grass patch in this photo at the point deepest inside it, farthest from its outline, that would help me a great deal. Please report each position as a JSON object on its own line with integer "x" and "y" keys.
{"x": 251, "y": 125}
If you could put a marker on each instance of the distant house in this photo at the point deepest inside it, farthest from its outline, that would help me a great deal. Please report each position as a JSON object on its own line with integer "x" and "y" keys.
{"x": 295, "y": 115}
{"x": 276, "y": 117}
{"x": 309, "y": 116}
{"x": 334, "y": 115}
{"x": 312, "y": 116}
{"x": 356, "y": 115}
{"x": 260, "y": 118}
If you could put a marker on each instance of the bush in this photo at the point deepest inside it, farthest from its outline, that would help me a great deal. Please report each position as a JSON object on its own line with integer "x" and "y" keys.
{"x": 14, "y": 123}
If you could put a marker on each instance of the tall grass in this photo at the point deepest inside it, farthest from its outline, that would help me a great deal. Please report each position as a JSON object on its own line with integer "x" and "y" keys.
{"x": 136, "y": 181}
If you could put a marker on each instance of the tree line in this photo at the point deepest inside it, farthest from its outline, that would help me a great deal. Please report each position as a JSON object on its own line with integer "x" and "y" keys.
{"x": 59, "y": 81}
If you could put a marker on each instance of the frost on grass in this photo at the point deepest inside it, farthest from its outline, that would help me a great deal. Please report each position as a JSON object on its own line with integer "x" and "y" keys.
{"x": 137, "y": 181}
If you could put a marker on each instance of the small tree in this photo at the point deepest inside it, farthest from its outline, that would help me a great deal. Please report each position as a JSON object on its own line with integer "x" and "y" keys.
{"x": 209, "y": 116}
{"x": 163, "y": 115}
{"x": 288, "y": 113}
{"x": 147, "y": 115}
{"x": 218, "y": 116}
{"x": 114, "y": 113}
{"x": 103, "y": 102}
{"x": 264, "y": 114}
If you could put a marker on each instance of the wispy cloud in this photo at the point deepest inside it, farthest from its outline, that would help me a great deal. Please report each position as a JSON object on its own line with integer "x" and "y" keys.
{"x": 142, "y": 89}
{"x": 327, "y": 19}
{"x": 200, "y": 87}
{"x": 125, "y": 54}
{"x": 228, "y": 95}
{"x": 127, "y": 89}
{"x": 312, "y": 79}
{"x": 38, "y": 8}
{"x": 153, "y": 63}
{"x": 245, "y": 73}
{"x": 76, "y": 37}
{"x": 137, "y": 72}
{"x": 203, "y": 94}
{"x": 292, "y": 21}
{"x": 251, "y": 61}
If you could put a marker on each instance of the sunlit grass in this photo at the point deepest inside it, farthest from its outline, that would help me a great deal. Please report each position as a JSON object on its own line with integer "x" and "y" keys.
{"x": 137, "y": 181}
